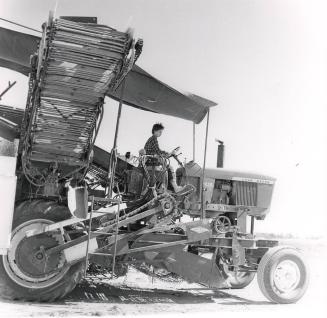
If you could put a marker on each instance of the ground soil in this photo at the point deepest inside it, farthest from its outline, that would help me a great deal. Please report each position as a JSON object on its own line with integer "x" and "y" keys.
{"x": 139, "y": 294}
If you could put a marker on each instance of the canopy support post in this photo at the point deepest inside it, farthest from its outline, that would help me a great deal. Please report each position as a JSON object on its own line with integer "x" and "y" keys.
{"x": 119, "y": 113}
{"x": 193, "y": 141}
{"x": 113, "y": 153}
{"x": 204, "y": 167}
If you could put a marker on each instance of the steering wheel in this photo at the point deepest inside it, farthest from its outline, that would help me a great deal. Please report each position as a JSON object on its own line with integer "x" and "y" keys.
{"x": 175, "y": 156}
{"x": 173, "y": 153}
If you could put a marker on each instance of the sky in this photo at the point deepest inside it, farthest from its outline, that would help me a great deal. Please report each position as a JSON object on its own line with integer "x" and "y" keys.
{"x": 263, "y": 61}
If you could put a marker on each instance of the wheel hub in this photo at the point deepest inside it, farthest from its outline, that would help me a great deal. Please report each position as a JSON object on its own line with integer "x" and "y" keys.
{"x": 286, "y": 276}
{"x": 31, "y": 258}
{"x": 27, "y": 263}
{"x": 39, "y": 256}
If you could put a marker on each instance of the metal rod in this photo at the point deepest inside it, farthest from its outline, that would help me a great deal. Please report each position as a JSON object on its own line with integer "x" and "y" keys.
{"x": 119, "y": 113}
{"x": 10, "y": 85}
{"x": 112, "y": 165}
{"x": 252, "y": 224}
{"x": 89, "y": 237}
{"x": 193, "y": 141}
{"x": 111, "y": 171}
{"x": 203, "y": 168}
{"x": 116, "y": 235}
{"x": 155, "y": 246}
{"x": 21, "y": 25}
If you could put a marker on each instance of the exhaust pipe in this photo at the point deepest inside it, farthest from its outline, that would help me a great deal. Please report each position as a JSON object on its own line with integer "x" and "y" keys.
{"x": 220, "y": 153}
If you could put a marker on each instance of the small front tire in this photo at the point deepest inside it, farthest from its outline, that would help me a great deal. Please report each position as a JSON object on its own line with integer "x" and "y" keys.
{"x": 283, "y": 275}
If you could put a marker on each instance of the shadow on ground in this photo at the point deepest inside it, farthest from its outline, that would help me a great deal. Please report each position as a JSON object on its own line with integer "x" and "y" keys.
{"x": 101, "y": 292}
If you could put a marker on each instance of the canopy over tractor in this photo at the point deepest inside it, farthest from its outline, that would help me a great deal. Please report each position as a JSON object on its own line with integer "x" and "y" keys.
{"x": 142, "y": 90}
{"x": 76, "y": 205}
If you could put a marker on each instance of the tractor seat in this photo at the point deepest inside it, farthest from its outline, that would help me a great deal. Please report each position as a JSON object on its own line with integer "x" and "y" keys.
{"x": 155, "y": 170}
{"x": 151, "y": 161}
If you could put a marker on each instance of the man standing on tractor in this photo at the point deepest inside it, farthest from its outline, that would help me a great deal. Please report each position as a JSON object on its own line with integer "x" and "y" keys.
{"x": 151, "y": 147}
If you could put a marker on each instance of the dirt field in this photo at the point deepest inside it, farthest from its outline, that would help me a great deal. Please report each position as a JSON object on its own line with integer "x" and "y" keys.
{"x": 138, "y": 294}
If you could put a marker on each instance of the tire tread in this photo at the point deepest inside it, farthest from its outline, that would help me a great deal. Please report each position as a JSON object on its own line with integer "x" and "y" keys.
{"x": 51, "y": 210}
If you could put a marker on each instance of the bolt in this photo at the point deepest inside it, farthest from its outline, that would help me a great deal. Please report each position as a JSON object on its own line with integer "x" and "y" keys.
{"x": 167, "y": 205}
{"x": 39, "y": 256}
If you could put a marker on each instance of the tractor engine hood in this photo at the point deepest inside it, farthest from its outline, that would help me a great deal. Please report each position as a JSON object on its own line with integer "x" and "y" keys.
{"x": 194, "y": 170}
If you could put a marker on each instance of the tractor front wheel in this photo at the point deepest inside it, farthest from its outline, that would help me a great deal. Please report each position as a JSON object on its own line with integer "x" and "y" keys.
{"x": 26, "y": 272}
{"x": 283, "y": 275}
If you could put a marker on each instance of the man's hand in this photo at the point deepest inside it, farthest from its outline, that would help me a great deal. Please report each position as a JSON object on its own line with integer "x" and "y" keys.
{"x": 174, "y": 152}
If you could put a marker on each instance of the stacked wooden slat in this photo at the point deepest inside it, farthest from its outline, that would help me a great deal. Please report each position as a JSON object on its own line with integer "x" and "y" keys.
{"x": 82, "y": 61}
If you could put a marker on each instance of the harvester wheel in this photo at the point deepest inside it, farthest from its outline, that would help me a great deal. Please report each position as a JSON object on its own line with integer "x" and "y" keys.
{"x": 283, "y": 275}
{"x": 235, "y": 280}
{"x": 239, "y": 280}
{"x": 26, "y": 273}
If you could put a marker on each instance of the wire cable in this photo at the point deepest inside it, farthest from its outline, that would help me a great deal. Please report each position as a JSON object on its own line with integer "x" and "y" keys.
{"x": 21, "y": 25}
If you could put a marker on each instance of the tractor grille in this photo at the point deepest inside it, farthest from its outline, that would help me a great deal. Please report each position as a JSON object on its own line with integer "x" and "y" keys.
{"x": 245, "y": 193}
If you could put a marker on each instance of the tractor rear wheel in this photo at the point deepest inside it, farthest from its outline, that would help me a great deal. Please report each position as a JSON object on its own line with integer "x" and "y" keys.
{"x": 26, "y": 273}
{"x": 283, "y": 275}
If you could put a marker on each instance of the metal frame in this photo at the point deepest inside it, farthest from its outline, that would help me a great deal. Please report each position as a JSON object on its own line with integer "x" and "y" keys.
{"x": 203, "y": 211}
{"x": 146, "y": 239}
{"x": 193, "y": 141}
{"x": 113, "y": 154}
{"x": 197, "y": 233}
{"x": 111, "y": 171}
{"x": 155, "y": 244}
{"x": 108, "y": 200}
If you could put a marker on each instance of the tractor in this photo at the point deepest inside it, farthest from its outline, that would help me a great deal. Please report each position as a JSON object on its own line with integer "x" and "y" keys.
{"x": 69, "y": 206}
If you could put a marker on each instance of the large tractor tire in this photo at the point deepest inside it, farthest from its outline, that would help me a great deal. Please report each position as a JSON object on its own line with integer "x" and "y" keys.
{"x": 283, "y": 275}
{"x": 25, "y": 272}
